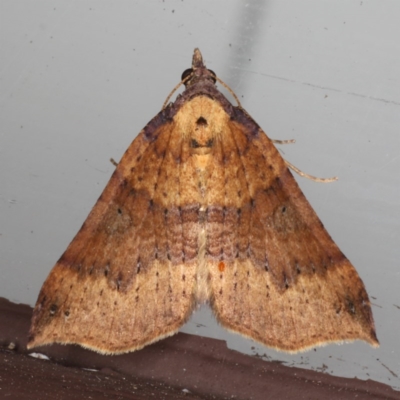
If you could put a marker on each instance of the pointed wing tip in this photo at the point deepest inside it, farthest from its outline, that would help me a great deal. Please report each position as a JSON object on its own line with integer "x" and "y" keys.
{"x": 30, "y": 346}
{"x": 36, "y": 340}
{"x": 373, "y": 341}
{"x": 372, "y": 338}
{"x": 31, "y": 340}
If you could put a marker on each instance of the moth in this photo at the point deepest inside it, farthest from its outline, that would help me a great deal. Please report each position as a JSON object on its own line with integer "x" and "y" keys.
{"x": 202, "y": 209}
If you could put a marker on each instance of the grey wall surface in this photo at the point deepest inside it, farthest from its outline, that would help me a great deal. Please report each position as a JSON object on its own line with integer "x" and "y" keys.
{"x": 79, "y": 80}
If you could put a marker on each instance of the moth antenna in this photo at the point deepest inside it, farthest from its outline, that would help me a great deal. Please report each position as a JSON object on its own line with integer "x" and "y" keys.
{"x": 229, "y": 90}
{"x": 113, "y": 162}
{"x": 174, "y": 90}
{"x": 289, "y": 141}
{"x": 313, "y": 178}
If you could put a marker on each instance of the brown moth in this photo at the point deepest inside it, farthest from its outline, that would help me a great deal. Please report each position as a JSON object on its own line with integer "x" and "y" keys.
{"x": 202, "y": 208}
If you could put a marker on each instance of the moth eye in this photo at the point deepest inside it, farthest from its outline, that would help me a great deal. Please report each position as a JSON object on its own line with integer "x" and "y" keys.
{"x": 186, "y": 73}
{"x": 213, "y": 75}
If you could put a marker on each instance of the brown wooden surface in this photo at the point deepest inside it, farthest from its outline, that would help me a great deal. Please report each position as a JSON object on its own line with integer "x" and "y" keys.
{"x": 165, "y": 370}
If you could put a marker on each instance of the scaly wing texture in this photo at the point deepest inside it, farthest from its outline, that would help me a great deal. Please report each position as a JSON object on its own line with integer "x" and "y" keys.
{"x": 276, "y": 276}
{"x": 202, "y": 208}
{"x": 128, "y": 277}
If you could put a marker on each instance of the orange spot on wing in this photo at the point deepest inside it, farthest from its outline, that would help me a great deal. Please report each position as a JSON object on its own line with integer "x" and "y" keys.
{"x": 221, "y": 266}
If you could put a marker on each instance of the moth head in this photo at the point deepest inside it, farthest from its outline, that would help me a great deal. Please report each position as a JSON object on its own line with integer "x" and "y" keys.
{"x": 198, "y": 72}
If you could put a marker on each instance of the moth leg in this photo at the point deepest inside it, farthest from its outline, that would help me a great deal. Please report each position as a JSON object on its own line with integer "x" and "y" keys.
{"x": 313, "y": 178}
{"x": 113, "y": 162}
{"x": 289, "y": 141}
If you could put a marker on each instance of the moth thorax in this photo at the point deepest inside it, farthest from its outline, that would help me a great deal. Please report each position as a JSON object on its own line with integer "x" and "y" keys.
{"x": 201, "y": 138}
